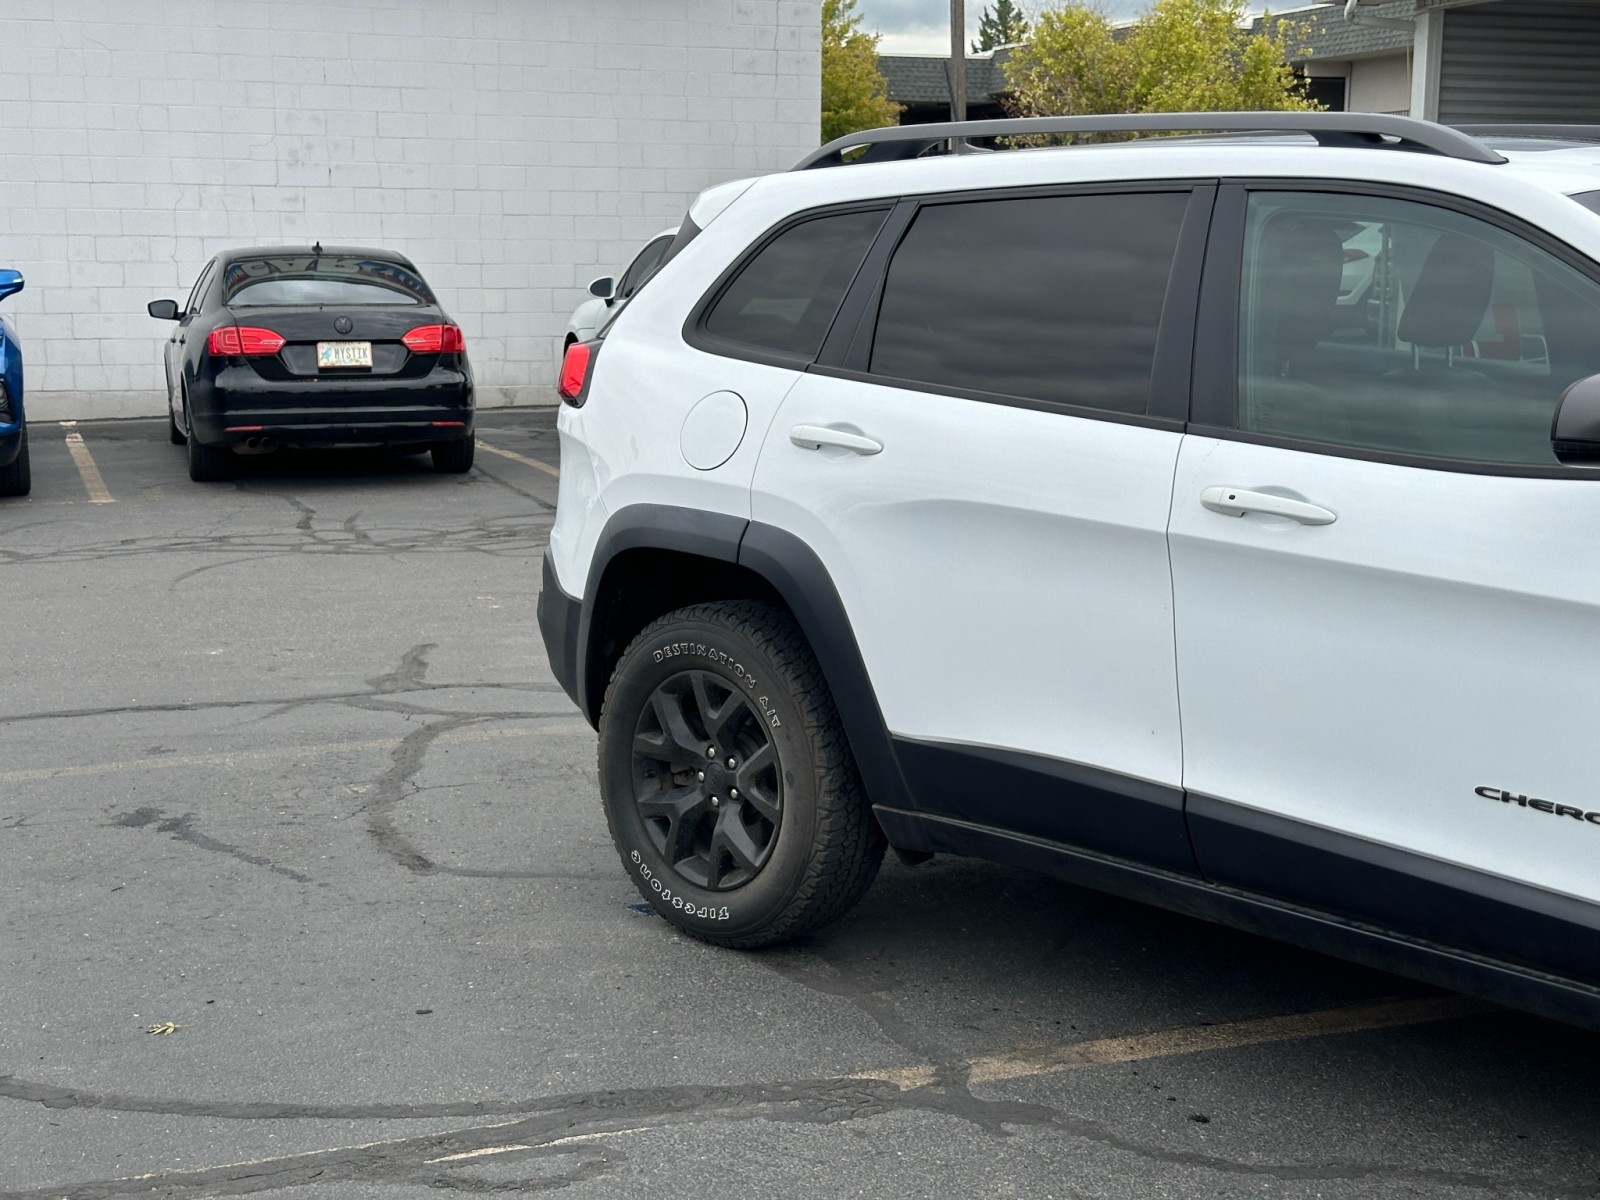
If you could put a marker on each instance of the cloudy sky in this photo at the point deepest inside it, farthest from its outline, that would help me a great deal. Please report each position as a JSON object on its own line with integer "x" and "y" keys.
{"x": 923, "y": 26}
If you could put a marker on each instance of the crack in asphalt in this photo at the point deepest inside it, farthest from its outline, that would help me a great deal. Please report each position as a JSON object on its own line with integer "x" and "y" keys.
{"x": 280, "y": 704}
{"x": 571, "y": 1118}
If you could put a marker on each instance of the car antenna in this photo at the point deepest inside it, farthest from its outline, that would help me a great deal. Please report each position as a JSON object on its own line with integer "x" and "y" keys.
{"x": 316, "y": 251}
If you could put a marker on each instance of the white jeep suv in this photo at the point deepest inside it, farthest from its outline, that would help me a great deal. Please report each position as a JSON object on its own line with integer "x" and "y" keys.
{"x": 1048, "y": 506}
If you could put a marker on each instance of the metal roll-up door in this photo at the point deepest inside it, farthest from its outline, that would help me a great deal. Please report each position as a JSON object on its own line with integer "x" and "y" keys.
{"x": 1520, "y": 60}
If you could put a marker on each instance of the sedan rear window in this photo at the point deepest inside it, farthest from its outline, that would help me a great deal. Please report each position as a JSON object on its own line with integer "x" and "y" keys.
{"x": 321, "y": 279}
{"x": 1590, "y": 200}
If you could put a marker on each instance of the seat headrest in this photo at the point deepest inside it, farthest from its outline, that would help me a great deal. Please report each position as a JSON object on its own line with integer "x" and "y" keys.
{"x": 1301, "y": 262}
{"x": 1450, "y": 299}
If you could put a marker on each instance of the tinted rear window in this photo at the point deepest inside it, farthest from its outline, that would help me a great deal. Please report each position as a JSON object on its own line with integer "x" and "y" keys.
{"x": 321, "y": 279}
{"x": 1056, "y": 299}
{"x": 786, "y": 297}
{"x": 1590, "y": 200}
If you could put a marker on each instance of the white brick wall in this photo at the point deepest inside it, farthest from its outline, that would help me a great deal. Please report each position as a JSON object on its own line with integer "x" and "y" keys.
{"x": 513, "y": 148}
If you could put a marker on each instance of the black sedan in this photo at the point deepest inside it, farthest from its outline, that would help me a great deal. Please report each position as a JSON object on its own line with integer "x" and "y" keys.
{"x": 314, "y": 346}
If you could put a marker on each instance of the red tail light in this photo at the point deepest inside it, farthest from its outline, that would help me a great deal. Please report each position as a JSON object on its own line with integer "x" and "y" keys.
{"x": 435, "y": 339}
{"x": 243, "y": 339}
{"x": 574, "y": 371}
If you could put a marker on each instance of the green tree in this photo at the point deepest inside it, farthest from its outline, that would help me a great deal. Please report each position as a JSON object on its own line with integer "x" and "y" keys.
{"x": 855, "y": 94}
{"x": 1181, "y": 56}
{"x": 1002, "y": 24}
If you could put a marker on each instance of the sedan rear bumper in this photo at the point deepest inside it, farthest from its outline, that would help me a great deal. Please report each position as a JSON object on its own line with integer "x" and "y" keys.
{"x": 240, "y": 407}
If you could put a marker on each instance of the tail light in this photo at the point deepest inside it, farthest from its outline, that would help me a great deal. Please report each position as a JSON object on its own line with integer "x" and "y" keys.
{"x": 246, "y": 340}
{"x": 575, "y": 373}
{"x": 435, "y": 339}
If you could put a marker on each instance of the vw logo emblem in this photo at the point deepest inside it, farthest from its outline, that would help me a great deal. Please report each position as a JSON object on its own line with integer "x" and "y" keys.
{"x": 342, "y": 324}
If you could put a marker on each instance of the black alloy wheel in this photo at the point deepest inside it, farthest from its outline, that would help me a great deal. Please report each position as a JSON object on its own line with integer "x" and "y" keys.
{"x": 727, "y": 780}
{"x": 705, "y": 780}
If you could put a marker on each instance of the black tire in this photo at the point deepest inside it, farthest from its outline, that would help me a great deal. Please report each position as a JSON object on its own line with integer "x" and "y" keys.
{"x": 454, "y": 458}
{"x": 16, "y": 477}
{"x": 717, "y": 865}
{"x": 207, "y": 464}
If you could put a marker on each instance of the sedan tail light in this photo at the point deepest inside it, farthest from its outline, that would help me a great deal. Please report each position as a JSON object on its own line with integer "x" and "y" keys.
{"x": 435, "y": 339}
{"x": 244, "y": 340}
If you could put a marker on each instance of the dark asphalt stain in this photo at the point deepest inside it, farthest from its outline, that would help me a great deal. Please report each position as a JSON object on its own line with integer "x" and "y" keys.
{"x": 183, "y": 829}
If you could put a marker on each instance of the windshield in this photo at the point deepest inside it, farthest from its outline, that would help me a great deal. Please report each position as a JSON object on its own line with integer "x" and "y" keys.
{"x": 321, "y": 279}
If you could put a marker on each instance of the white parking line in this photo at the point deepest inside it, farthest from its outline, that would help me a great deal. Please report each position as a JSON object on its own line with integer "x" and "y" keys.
{"x": 92, "y": 482}
{"x": 521, "y": 458}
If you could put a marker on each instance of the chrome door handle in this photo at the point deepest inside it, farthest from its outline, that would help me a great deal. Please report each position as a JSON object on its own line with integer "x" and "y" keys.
{"x": 1235, "y": 502}
{"x": 815, "y": 437}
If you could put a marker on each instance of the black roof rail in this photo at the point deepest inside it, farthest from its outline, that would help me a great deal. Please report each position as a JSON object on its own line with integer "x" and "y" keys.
{"x": 1328, "y": 128}
{"x": 1570, "y": 133}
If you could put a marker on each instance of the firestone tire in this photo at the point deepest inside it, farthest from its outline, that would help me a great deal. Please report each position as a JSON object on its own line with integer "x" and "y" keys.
{"x": 16, "y": 477}
{"x": 706, "y": 700}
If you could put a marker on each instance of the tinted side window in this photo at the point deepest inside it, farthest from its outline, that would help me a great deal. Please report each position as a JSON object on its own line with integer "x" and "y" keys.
{"x": 642, "y": 267}
{"x": 1393, "y": 325}
{"x": 786, "y": 297}
{"x": 197, "y": 293}
{"x": 1057, "y": 298}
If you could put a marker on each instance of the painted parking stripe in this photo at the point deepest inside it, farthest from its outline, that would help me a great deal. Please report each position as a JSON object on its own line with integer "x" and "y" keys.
{"x": 84, "y": 461}
{"x": 1025, "y": 1061}
{"x": 521, "y": 458}
{"x": 229, "y": 758}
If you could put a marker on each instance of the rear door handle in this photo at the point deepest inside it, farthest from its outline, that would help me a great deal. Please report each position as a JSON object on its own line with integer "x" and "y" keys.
{"x": 815, "y": 437}
{"x": 1235, "y": 502}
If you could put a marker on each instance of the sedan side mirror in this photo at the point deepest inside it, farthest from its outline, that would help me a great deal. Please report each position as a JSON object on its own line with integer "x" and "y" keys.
{"x": 1575, "y": 431}
{"x": 604, "y": 288}
{"x": 10, "y": 283}
{"x": 163, "y": 310}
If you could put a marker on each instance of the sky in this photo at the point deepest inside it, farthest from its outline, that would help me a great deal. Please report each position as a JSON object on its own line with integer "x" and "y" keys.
{"x": 923, "y": 26}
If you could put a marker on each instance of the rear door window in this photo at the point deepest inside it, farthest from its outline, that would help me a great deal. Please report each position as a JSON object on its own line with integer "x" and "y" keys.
{"x": 1056, "y": 299}
{"x": 786, "y": 296}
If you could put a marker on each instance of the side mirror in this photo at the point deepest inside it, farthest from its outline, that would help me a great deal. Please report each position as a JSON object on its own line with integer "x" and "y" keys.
{"x": 10, "y": 283}
{"x": 163, "y": 310}
{"x": 1575, "y": 431}
{"x": 604, "y": 288}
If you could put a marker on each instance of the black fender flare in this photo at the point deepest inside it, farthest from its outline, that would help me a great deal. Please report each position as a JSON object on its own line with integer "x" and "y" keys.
{"x": 795, "y": 573}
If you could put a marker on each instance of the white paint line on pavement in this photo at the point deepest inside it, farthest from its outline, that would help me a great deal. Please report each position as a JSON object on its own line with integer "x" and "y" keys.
{"x": 521, "y": 458}
{"x": 484, "y": 1153}
{"x": 1024, "y": 1061}
{"x": 92, "y": 482}
{"x": 230, "y": 758}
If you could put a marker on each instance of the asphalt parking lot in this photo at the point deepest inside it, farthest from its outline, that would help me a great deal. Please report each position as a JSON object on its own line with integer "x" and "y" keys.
{"x": 285, "y": 779}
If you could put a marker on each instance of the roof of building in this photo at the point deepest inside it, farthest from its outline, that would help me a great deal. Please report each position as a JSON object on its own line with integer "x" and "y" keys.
{"x": 1326, "y": 33}
{"x": 925, "y": 78}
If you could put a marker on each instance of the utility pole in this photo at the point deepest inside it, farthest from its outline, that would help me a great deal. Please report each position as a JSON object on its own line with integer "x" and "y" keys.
{"x": 958, "y": 60}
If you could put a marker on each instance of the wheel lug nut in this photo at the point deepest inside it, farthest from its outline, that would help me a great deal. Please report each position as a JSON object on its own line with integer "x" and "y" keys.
{"x": 733, "y": 793}
{"x": 715, "y": 803}
{"x": 711, "y": 751}
{"x": 702, "y": 776}
{"x": 732, "y": 763}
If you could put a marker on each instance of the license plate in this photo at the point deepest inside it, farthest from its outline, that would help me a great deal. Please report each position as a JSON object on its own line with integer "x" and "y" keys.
{"x": 344, "y": 354}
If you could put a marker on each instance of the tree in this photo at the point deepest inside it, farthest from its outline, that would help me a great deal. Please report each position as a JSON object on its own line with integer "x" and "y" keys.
{"x": 1181, "y": 56}
{"x": 855, "y": 94}
{"x": 1002, "y": 24}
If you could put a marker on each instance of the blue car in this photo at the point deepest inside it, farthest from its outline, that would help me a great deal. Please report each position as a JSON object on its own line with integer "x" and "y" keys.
{"x": 15, "y": 478}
